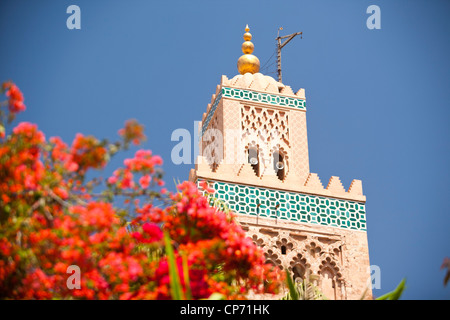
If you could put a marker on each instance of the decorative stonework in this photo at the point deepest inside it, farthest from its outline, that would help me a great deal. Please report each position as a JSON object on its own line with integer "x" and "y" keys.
{"x": 306, "y": 253}
{"x": 265, "y": 130}
{"x": 256, "y": 120}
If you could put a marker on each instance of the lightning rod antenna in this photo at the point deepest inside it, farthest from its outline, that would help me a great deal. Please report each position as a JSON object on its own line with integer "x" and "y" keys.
{"x": 280, "y": 45}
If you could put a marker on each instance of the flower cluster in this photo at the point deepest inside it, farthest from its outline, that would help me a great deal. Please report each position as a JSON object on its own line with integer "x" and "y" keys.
{"x": 132, "y": 132}
{"x": 22, "y": 169}
{"x": 144, "y": 164}
{"x": 15, "y": 96}
{"x": 51, "y": 220}
{"x": 88, "y": 152}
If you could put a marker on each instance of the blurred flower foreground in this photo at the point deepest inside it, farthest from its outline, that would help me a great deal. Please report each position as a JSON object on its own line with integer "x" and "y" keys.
{"x": 68, "y": 233}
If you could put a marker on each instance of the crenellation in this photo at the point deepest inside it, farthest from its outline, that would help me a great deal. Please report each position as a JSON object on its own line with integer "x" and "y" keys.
{"x": 223, "y": 81}
{"x": 356, "y": 187}
{"x": 335, "y": 185}
{"x": 301, "y": 93}
{"x": 314, "y": 182}
{"x": 287, "y": 90}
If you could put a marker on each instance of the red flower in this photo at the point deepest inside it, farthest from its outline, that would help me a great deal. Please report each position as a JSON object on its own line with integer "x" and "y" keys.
{"x": 153, "y": 231}
{"x": 133, "y": 132}
{"x": 144, "y": 181}
{"x": 204, "y": 185}
{"x": 88, "y": 152}
{"x": 15, "y": 97}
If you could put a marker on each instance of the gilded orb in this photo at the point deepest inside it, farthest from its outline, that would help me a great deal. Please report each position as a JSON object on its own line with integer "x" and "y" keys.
{"x": 248, "y": 47}
{"x": 248, "y": 63}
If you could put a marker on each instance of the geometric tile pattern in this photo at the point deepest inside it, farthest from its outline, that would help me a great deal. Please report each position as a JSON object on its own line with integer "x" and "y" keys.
{"x": 264, "y": 98}
{"x": 271, "y": 203}
{"x": 211, "y": 113}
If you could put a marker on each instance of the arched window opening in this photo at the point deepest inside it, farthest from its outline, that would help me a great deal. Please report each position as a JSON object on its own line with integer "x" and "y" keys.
{"x": 279, "y": 165}
{"x": 328, "y": 283}
{"x": 299, "y": 273}
{"x": 253, "y": 159}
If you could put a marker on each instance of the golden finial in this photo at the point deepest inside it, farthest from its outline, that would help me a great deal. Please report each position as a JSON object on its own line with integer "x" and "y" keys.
{"x": 248, "y": 62}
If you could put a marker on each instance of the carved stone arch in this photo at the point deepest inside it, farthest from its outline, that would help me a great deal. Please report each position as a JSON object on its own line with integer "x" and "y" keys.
{"x": 253, "y": 151}
{"x": 282, "y": 155}
{"x": 335, "y": 250}
{"x": 273, "y": 258}
{"x": 314, "y": 249}
{"x": 331, "y": 280}
{"x": 284, "y": 245}
{"x": 299, "y": 267}
{"x": 281, "y": 148}
{"x": 258, "y": 241}
{"x": 329, "y": 262}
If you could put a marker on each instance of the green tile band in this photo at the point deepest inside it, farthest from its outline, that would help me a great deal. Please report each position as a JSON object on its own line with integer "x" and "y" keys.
{"x": 291, "y": 206}
{"x": 211, "y": 113}
{"x": 268, "y": 98}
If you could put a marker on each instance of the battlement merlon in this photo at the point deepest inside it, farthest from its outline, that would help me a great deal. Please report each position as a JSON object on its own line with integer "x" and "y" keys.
{"x": 313, "y": 185}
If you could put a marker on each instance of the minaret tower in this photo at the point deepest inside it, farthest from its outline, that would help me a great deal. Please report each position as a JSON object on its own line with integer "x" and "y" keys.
{"x": 254, "y": 153}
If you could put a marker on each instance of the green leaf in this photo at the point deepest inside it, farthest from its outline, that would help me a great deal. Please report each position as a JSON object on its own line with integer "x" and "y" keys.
{"x": 175, "y": 284}
{"x": 216, "y": 296}
{"x": 292, "y": 290}
{"x": 395, "y": 294}
{"x": 186, "y": 277}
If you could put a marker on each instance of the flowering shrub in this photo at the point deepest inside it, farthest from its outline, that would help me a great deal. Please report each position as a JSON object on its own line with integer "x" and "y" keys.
{"x": 130, "y": 241}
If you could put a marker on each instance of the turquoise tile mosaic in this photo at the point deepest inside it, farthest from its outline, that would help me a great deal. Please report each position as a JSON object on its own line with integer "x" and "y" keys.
{"x": 248, "y": 95}
{"x": 264, "y": 98}
{"x": 291, "y": 206}
{"x": 211, "y": 113}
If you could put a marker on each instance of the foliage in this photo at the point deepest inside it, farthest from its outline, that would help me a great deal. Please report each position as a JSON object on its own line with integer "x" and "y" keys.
{"x": 395, "y": 294}
{"x": 306, "y": 290}
{"x": 131, "y": 240}
{"x": 303, "y": 289}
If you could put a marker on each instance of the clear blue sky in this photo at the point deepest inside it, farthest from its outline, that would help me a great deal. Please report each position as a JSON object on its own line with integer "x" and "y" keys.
{"x": 378, "y": 100}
